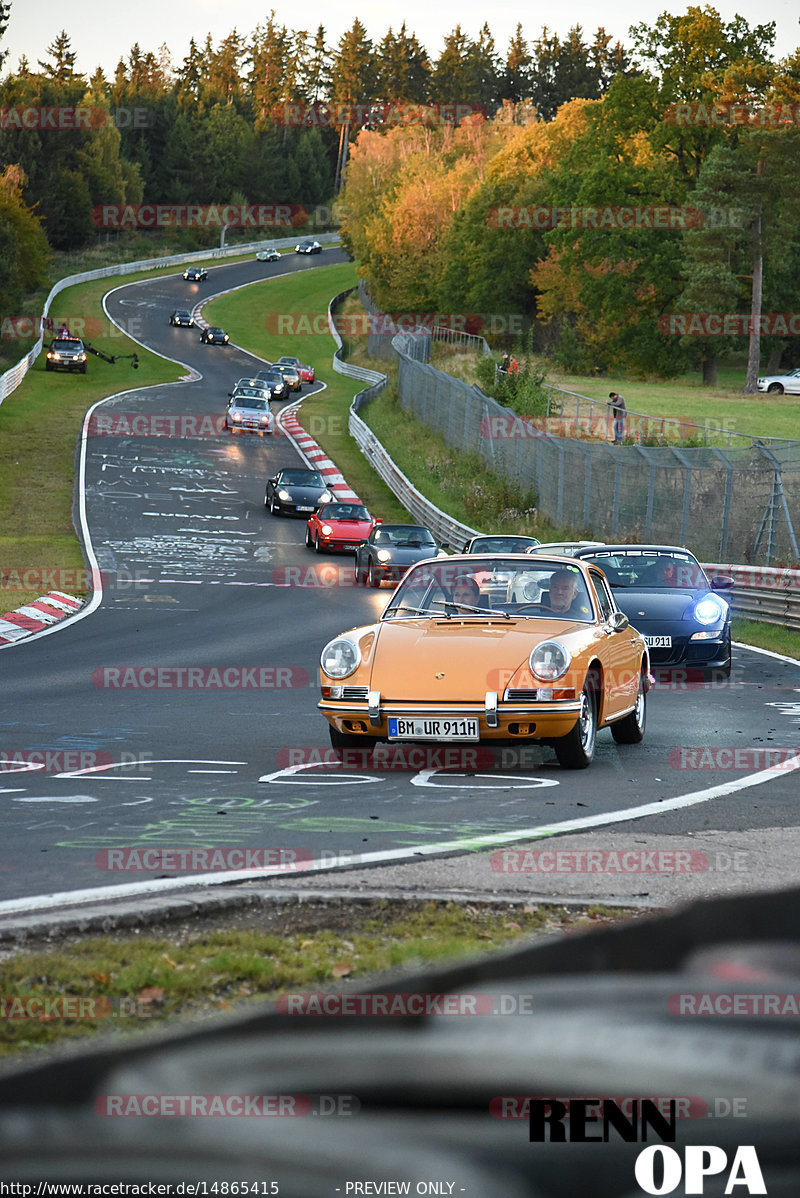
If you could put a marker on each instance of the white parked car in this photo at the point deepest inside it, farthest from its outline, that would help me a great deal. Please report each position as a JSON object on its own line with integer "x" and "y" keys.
{"x": 780, "y": 384}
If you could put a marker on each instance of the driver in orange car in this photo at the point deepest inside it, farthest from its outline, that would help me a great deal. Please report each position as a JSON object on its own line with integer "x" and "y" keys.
{"x": 563, "y": 598}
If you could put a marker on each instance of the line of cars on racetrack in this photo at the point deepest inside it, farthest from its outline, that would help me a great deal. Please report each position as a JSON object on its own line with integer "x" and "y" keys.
{"x": 248, "y": 409}
{"x": 509, "y": 641}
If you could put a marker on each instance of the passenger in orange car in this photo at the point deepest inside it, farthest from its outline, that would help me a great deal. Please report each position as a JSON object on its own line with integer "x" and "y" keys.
{"x": 465, "y": 591}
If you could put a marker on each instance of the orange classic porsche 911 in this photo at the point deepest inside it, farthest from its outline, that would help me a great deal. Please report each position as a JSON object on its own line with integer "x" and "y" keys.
{"x": 491, "y": 649}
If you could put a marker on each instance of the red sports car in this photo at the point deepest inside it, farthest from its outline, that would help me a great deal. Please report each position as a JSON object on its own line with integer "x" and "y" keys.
{"x": 341, "y": 526}
{"x": 307, "y": 373}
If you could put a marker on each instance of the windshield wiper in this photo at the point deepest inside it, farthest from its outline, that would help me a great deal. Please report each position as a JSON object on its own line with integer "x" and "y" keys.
{"x": 479, "y": 611}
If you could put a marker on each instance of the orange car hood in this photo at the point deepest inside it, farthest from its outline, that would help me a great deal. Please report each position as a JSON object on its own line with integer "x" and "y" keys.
{"x": 454, "y": 660}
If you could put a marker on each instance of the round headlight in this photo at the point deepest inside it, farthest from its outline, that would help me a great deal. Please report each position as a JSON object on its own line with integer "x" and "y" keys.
{"x": 708, "y": 610}
{"x": 549, "y": 660}
{"x": 325, "y": 497}
{"x": 326, "y": 530}
{"x": 284, "y": 496}
{"x": 384, "y": 555}
{"x": 340, "y": 657}
{"x": 531, "y": 590}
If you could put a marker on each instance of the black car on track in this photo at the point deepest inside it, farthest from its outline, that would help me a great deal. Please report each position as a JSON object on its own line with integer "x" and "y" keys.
{"x": 667, "y": 595}
{"x": 390, "y": 549}
{"x": 214, "y": 336}
{"x": 296, "y": 490}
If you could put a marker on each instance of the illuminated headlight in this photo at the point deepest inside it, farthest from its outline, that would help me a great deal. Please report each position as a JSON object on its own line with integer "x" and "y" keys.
{"x": 284, "y": 497}
{"x": 325, "y": 497}
{"x": 340, "y": 657}
{"x": 549, "y": 660}
{"x": 384, "y": 555}
{"x": 708, "y": 610}
{"x": 82, "y": 357}
{"x": 264, "y": 420}
{"x": 237, "y": 415}
{"x": 326, "y": 530}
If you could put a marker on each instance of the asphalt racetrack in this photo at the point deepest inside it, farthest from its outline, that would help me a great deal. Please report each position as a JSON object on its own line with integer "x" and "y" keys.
{"x": 180, "y": 713}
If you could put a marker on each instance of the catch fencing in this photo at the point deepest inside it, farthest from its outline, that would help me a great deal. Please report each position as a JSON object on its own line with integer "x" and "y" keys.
{"x": 737, "y": 502}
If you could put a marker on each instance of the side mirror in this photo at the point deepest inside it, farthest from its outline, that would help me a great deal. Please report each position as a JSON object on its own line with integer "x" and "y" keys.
{"x": 619, "y": 621}
{"x": 721, "y": 582}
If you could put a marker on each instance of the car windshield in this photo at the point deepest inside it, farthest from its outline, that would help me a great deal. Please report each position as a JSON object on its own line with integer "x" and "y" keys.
{"x": 216, "y": 331}
{"x": 501, "y": 544}
{"x": 343, "y": 511}
{"x": 301, "y": 478}
{"x": 501, "y": 587}
{"x": 404, "y": 534}
{"x": 66, "y": 343}
{"x": 649, "y": 569}
{"x": 289, "y": 361}
{"x": 248, "y": 401}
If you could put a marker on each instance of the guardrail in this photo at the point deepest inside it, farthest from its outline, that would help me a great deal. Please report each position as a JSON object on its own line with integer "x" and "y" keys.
{"x": 766, "y": 593}
{"x": 14, "y": 376}
{"x": 444, "y": 528}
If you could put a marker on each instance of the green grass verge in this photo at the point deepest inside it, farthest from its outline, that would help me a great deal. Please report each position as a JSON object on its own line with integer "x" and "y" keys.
{"x": 131, "y": 983}
{"x": 39, "y": 425}
{"x": 767, "y": 636}
{"x": 681, "y": 399}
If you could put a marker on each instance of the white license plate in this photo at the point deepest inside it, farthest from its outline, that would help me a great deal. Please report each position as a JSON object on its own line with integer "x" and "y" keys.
{"x": 305, "y": 509}
{"x": 658, "y": 642}
{"x": 434, "y": 728}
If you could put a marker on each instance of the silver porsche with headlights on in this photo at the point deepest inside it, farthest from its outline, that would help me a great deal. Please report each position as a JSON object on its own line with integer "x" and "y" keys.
{"x": 451, "y": 660}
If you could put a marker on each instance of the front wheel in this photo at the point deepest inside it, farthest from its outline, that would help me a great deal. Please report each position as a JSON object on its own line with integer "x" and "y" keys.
{"x": 317, "y": 546}
{"x": 576, "y": 750}
{"x": 309, "y": 542}
{"x": 360, "y": 576}
{"x": 372, "y": 578}
{"x": 630, "y": 730}
{"x": 775, "y": 389}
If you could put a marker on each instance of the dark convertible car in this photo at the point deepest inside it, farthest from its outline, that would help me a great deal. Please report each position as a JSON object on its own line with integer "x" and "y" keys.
{"x": 666, "y": 594}
{"x": 390, "y": 549}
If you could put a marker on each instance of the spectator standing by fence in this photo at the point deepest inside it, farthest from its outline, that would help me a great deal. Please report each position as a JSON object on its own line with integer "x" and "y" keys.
{"x": 618, "y": 410}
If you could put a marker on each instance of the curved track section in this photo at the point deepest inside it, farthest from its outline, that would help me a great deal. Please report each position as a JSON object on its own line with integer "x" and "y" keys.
{"x": 179, "y": 716}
